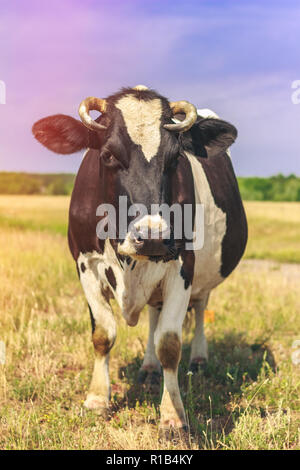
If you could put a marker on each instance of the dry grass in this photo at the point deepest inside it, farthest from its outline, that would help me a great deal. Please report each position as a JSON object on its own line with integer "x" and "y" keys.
{"x": 274, "y": 231}
{"x": 246, "y": 398}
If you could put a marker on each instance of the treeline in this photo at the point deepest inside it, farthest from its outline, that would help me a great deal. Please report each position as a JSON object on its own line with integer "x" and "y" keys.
{"x": 36, "y": 183}
{"x": 275, "y": 188}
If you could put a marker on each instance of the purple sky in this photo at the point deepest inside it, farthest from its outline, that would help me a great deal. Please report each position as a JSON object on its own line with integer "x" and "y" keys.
{"x": 237, "y": 57}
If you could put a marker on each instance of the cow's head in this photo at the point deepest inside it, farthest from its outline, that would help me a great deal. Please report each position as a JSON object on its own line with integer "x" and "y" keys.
{"x": 140, "y": 147}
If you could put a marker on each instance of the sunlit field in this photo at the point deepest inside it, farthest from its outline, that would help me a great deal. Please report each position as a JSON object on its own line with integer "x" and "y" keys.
{"x": 274, "y": 227}
{"x": 274, "y": 230}
{"x": 247, "y": 396}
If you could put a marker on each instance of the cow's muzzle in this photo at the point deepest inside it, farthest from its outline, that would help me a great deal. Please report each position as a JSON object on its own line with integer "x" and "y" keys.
{"x": 149, "y": 239}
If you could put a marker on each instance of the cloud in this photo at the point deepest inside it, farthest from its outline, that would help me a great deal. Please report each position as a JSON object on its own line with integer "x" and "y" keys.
{"x": 238, "y": 58}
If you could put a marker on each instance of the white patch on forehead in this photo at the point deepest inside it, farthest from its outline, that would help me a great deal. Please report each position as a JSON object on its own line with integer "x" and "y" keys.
{"x": 142, "y": 119}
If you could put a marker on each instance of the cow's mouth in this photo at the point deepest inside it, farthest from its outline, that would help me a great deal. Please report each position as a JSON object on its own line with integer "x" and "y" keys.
{"x": 168, "y": 257}
{"x": 150, "y": 250}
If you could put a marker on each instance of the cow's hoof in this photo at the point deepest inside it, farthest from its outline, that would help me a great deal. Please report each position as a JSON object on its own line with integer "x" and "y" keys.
{"x": 149, "y": 377}
{"x": 175, "y": 435}
{"x": 96, "y": 404}
{"x": 197, "y": 364}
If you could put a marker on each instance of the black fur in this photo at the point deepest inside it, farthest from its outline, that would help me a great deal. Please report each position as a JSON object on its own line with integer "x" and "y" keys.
{"x": 208, "y": 140}
{"x": 93, "y": 323}
{"x": 102, "y": 178}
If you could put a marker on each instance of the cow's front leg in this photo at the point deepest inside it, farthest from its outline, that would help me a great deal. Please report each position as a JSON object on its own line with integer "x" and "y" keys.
{"x": 150, "y": 371}
{"x": 103, "y": 336}
{"x": 167, "y": 340}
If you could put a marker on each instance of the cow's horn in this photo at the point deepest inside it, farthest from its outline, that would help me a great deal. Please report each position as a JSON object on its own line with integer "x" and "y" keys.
{"x": 190, "y": 116}
{"x": 92, "y": 103}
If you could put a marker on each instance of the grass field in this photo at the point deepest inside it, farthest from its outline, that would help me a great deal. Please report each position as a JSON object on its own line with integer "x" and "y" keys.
{"x": 247, "y": 397}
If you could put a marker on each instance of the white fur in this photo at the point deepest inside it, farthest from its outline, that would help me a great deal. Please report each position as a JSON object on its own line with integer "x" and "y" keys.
{"x": 208, "y": 259}
{"x": 99, "y": 392}
{"x": 142, "y": 120}
{"x": 150, "y": 359}
{"x": 175, "y": 303}
{"x": 207, "y": 113}
{"x": 137, "y": 282}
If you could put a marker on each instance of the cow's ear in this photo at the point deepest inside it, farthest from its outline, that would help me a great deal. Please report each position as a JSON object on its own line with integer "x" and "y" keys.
{"x": 216, "y": 135}
{"x": 64, "y": 134}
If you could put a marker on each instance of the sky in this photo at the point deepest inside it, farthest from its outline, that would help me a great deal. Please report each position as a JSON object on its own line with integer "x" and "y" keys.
{"x": 237, "y": 57}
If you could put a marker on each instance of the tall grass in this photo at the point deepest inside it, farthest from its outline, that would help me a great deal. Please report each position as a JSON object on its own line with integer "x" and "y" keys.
{"x": 274, "y": 227}
{"x": 247, "y": 397}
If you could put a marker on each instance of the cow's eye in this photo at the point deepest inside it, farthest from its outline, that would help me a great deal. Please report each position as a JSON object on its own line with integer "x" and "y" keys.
{"x": 109, "y": 159}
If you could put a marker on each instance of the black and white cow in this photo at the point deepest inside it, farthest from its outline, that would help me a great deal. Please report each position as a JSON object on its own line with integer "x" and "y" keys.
{"x": 137, "y": 149}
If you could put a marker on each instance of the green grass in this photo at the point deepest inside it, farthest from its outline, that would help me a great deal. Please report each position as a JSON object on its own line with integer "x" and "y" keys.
{"x": 247, "y": 397}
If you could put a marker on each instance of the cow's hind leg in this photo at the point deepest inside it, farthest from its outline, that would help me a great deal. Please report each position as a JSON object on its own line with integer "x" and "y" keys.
{"x": 150, "y": 370}
{"x": 199, "y": 351}
{"x": 103, "y": 335}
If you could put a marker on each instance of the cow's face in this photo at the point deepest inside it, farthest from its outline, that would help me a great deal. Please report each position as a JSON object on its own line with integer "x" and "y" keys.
{"x": 140, "y": 157}
{"x": 139, "y": 151}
